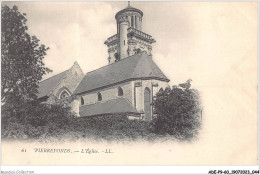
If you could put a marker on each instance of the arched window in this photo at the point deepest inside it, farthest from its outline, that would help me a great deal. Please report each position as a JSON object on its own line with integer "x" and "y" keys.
{"x": 64, "y": 94}
{"x": 120, "y": 91}
{"x": 82, "y": 101}
{"x": 99, "y": 96}
{"x": 147, "y": 104}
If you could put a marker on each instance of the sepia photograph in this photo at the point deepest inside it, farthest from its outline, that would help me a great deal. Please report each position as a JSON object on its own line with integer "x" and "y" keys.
{"x": 129, "y": 83}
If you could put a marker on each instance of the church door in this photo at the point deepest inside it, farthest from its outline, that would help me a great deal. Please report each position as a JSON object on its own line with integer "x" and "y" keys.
{"x": 147, "y": 105}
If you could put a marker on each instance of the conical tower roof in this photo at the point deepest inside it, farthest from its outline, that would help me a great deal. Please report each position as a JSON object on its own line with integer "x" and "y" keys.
{"x": 129, "y": 8}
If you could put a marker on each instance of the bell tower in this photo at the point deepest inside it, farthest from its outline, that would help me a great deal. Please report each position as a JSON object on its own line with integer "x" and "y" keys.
{"x": 129, "y": 39}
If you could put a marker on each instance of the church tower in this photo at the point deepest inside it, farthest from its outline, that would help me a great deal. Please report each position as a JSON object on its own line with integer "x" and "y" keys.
{"x": 129, "y": 39}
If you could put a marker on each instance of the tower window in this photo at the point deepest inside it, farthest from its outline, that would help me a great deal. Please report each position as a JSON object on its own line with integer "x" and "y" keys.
{"x": 82, "y": 101}
{"x": 99, "y": 96}
{"x": 135, "y": 22}
{"x": 124, "y": 42}
{"x": 120, "y": 91}
{"x": 132, "y": 21}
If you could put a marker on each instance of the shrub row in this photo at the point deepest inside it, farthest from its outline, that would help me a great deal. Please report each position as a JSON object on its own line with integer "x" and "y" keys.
{"x": 45, "y": 122}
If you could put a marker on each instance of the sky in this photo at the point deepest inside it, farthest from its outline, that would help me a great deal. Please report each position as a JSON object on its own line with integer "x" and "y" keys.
{"x": 212, "y": 43}
{"x": 192, "y": 37}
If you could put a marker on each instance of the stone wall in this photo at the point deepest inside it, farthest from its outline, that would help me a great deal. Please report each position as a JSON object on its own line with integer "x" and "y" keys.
{"x": 133, "y": 91}
{"x": 108, "y": 93}
{"x": 69, "y": 83}
{"x": 153, "y": 85}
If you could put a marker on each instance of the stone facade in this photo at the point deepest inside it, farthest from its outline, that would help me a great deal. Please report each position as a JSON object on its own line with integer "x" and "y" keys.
{"x": 133, "y": 91}
{"x": 108, "y": 93}
{"x": 67, "y": 84}
{"x": 140, "y": 85}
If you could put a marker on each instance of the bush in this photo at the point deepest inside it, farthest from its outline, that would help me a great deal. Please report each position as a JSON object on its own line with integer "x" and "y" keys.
{"x": 111, "y": 127}
{"x": 45, "y": 122}
{"x": 34, "y": 120}
{"x": 178, "y": 112}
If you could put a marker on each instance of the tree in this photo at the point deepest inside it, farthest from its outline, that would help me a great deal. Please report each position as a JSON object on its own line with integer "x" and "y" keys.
{"x": 178, "y": 111}
{"x": 22, "y": 58}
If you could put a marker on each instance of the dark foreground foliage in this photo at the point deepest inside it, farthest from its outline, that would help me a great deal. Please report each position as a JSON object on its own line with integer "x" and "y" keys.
{"x": 178, "y": 117}
{"x": 22, "y": 55}
{"x": 44, "y": 122}
{"x": 34, "y": 120}
{"x": 116, "y": 127}
{"x": 179, "y": 112}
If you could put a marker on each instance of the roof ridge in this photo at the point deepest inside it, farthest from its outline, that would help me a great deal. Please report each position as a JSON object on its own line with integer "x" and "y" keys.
{"x": 58, "y": 82}
{"x": 134, "y": 67}
{"x": 75, "y": 63}
{"x": 53, "y": 76}
{"x": 114, "y": 63}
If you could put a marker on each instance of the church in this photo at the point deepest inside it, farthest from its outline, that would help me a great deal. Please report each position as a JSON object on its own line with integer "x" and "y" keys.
{"x": 126, "y": 85}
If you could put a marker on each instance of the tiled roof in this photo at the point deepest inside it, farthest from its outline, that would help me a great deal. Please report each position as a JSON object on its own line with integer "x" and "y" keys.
{"x": 115, "y": 106}
{"x": 139, "y": 66}
{"x": 46, "y": 86}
